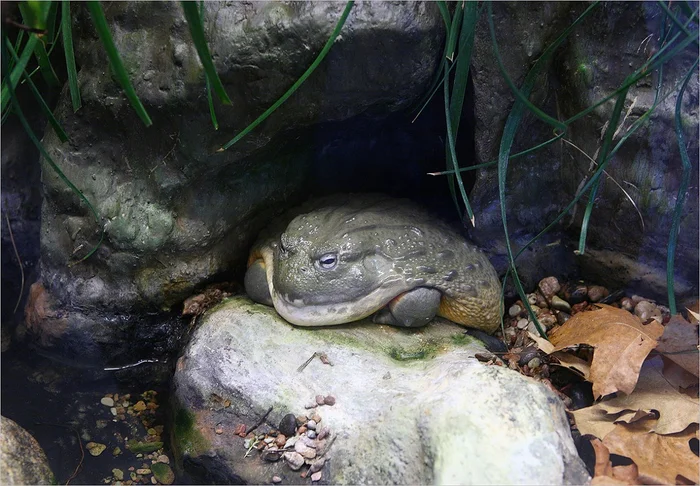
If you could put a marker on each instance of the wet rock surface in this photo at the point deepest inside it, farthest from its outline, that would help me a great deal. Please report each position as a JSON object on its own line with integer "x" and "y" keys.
{"x": 408, "y": 406}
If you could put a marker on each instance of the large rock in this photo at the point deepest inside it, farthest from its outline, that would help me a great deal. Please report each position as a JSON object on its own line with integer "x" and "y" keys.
{"x": 176, "y": 212}
{"x": 412, "y": 407}
{"x": 22, "y": 460}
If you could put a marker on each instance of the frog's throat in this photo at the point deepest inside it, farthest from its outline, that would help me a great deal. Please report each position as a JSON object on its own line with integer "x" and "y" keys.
{"x": 302, "y": 314}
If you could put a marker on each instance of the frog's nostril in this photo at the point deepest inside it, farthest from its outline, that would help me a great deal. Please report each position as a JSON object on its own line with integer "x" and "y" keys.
{"x": 304, "y": 270}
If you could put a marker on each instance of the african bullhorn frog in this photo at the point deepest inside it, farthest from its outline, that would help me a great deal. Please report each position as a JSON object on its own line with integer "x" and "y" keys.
{"x": 344, "y": 258}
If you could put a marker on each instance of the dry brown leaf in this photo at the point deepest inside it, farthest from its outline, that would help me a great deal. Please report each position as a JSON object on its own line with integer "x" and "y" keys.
{"x": 679, "y": 343}
{"x": 605, "y": 473}
{"x": 621, "y": 343}
{"x": 568, "y": 360}
{"x": 661, "y": 459}
{"x": 693, "y": 315}
{"x": 544, "y": 345}
{"x": 599, "y": 423}
{"x": 653, "y": 392}
{"x": 677, "y": 376}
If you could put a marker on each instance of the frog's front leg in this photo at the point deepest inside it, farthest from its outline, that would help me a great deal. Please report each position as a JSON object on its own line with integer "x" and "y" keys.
{"x": 414, "y": 308}
{"x": 255, "y": 283}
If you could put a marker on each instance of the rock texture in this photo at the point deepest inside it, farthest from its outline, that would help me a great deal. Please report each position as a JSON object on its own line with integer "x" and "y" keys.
{"x": 600, "y": 53}
{"x": 411, "y": 407}
{"x": 22, "y": 460}
{"x": 176, "y": 212}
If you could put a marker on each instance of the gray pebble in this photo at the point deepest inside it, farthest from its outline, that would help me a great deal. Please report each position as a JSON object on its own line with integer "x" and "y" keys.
{"x": 294, "y": 460}
{"x": 560, "y": 304}
{"x": 317, "y": 476}
{"x": 311, "y": 405}
{"x": 549, "y": 286}
{"x": 527, "y": 354}
{"x": 596, "y": 293}
{"x": 522, "y": 323}
{"x": 514, "y": 310}
{"x": 533, "y": 363}
{"x": 311, "y": 434}
{"x": 311, "y": 424}
{"x": 324, "y": 433}
{"x": 107, "y": 401}
{"x": 271, "y": 455}
{"x": 317, "y": 465}
{"x": 276, "y": 479}
{"x": 319, "y": 399}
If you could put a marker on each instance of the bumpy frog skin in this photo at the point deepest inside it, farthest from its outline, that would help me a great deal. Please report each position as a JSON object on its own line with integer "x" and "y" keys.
{"x": 345, "y": 258}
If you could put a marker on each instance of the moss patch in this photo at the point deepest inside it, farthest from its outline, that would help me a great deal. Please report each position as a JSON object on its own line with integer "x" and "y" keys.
{"x": 190, "y": 441}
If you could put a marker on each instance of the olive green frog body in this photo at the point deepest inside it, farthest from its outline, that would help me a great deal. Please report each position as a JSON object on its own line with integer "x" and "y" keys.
{"x": 344, "y": 258}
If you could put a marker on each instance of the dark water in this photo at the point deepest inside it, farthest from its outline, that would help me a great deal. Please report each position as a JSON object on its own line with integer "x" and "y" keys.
{"x": 60, "y": 406}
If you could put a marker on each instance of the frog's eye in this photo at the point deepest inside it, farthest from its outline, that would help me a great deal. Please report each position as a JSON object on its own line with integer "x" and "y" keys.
{"x": 328, "y": 261}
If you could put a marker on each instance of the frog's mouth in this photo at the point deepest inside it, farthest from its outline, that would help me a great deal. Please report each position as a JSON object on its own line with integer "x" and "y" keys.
{"x": 297, "y": 312}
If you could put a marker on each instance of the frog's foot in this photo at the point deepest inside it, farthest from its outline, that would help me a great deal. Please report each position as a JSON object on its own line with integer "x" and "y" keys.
{"x": 255, "y": 283}
{"x": 414, "y": 308}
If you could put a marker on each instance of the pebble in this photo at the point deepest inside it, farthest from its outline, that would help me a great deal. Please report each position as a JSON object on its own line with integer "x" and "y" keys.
{"x": 118, "y": 474}
{"x": 484, "y": 357}
{"x": 109, "y": 402}
{"x": 276, "y": 479}
{"x": 514, "y": 310}
{"x": 311, "y": 424}
{"x": 534, "y": 363}
{"x": 311, "y": 405}
{"x": 531, "y": 299}
{"x": 627, "y": 304}
{"x": 547, "y": 319}
{"x": 301, "y": 429}
{"x": 280, "y": 440}
{"x": 164, "y": 459}
{"x": 271, "y": 454}
{"x": 562, "y": 317}
{"x": 317, "y": 465}
{"x": 329, "y": 400}
{"x": 527, "y": 354}
{"x": 317, "y": 476}
{"x": 219, "y": 430}
{"x": 522, "y": 323}
{"x": 154, "y": 480}
{"x": 113, "y": 410}
{"x": 140, "y": 406}
{"x": 311, "y": 434}
{"x": 306, "y": 451}
{"x": 560, "y": 304}
{"x": 301, "y": 419}
{"x": 597, "y": 293}
{"x": 319, "y": 399}
{"x": 324, "y": 433}
{"x": 269, "y": 440}
{"x": 291, "y": 441}
{"x": 95, "y": 448}
{"x": 294, "y": 460}
{"x": 643, "y": 309}
{"x": 549, "y": 286}
{"x": 143, "y": 471}
{"x": 316, "y": 418}
{"x": 532, "y": 328}
{"x": 288, "y": 425}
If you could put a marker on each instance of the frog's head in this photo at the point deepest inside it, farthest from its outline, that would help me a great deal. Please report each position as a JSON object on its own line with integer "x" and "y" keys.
{"x": 332, "y": 268}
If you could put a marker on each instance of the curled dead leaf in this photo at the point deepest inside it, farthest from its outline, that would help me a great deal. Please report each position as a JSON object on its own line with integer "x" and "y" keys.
{"x": 679, "y": 343}
{"x": 621, "y": 344}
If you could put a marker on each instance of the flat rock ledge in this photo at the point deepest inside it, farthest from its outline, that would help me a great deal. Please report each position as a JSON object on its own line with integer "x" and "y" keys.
{"x": 411, "y": 406}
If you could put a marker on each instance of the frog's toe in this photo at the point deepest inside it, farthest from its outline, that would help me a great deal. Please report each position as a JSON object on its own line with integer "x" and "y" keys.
{"x": 255, "y": 283}
{"x": 414, "y": 308}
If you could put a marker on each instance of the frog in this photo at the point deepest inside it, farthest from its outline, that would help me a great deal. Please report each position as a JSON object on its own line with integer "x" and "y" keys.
{"x": 344, "y": 258}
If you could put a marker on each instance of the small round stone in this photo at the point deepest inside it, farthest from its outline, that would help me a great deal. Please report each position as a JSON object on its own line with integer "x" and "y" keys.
{"x": 301, "y": 429}
{"x": 311, "y": 405}
{"x": 549, "y": 286}
{"x": 316, "y": 418}
{"x": 514, "y": 310}
{"x": 560, "y": 304}
{"x": 311, "y": 434}
{"x": 534, "y": 363}
{"x": 319, "y": 399}
{"x": 107, "y": 401}
{"x": 276, "y": 479}
{"x": 280, "y": 440}
{"x": 301, "y": 419}
{"x": 294, "y": 460}
{"x": 562, "y": 317}
{"x": 527, "y": 355}
{"x": 311, "y": 424}
{"x": 597, "y": 293}
{"x": 522, "y": 323}
{"x": 317, "y": 476}
{"x": 288, "y": 425}
{"x": 329, "y": 400}
{"x": 627, "y": 304}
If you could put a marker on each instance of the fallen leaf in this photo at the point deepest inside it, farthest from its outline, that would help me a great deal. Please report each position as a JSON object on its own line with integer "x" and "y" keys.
{"x": 605, "y": 473}
{"x": 597, "y": 422}
{"x": 568, "y": 360}
{"x": 661, "y": 459}
{"x": 694, "y": 315}
{"x": 679, "y": 343}
{"x": 653, "y": 392}
{"x": 676, "y": 375}
{"x": 544, "y": 345}
{"x": 621, "y": 343}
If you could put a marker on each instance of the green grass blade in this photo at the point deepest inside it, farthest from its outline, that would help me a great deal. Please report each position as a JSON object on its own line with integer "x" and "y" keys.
{"x": 196, "y": 25}
{"x": 675, "y": 20}
{"x": 602, "y": 159}
{"x": 72, "y": 71}
{"x": 446, "y": 17}
{"x": 16, "y": 72}
{"x": 298, "y": 82}
{"x": 682, "y": 190}
{"x": 25, "y": 124}
{"x": 39, "y": 50}
{"x": 210, "y": 98}
{"x": 35, "y": 13}
{"x": 464, "y": 59}
{"x": 98, "y": 18}
{"x": 44, "y": 107}
{"x": 52, "y": 31}
{"x": 453, "y": 33}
